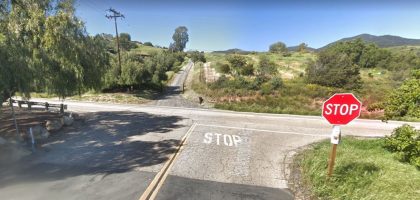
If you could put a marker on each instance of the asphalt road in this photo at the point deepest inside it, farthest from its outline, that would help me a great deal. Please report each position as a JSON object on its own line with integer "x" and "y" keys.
{"x": 164, "y": 152}
{"x": 172, "y": 95}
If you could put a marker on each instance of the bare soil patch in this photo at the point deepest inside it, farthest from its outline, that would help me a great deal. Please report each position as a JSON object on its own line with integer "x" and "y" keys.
{"x": 25, "y": 119}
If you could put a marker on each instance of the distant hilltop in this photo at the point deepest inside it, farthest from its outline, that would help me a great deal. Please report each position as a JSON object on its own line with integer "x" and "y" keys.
{"x": 382, "y": 41}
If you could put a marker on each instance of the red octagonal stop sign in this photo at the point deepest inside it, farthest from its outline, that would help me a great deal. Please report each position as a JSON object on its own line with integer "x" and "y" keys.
{"x": 342, "y": 108}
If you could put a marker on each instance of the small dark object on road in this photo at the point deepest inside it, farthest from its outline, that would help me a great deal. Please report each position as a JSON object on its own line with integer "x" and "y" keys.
{"x": 200, "y": 99}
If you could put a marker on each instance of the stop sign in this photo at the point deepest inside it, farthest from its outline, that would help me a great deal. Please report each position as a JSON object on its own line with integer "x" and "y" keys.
{"x": 341, "y": 108}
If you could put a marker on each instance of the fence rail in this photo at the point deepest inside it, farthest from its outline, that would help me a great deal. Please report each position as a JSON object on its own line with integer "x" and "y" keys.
{"x": 47, "y": 105}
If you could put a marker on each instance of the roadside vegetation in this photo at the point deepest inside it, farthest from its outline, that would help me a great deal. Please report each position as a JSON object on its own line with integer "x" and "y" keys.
{"x": 45, "y": 49}
{"x": 297, "y": 82}
{"x": 364, "y": 168}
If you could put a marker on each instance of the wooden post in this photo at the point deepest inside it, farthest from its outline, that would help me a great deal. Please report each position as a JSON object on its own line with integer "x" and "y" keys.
{"x": 61, "y": 108}
{"x": 46, "y": 105}
{"x": 332, "y": 160}
{"x": 183, "y": 87}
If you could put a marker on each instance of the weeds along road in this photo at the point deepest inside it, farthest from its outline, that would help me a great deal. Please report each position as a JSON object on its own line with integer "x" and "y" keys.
{"x": 160, "y": 152}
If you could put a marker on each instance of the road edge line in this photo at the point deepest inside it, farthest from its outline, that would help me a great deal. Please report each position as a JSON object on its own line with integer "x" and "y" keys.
{"x": 151, "y": 191}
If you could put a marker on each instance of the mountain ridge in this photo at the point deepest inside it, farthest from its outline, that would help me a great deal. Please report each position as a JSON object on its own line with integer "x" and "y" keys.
{"x": 382, "y": 40}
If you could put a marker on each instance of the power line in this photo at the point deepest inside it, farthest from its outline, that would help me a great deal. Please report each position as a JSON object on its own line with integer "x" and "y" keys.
{"x": 115, "y": 15}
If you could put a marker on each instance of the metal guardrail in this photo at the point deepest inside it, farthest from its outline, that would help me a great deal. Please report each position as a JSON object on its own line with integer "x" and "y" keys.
{"x": 47, "y": 105}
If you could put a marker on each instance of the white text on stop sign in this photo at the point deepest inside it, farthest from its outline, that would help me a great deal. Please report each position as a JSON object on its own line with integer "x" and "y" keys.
{"x": 342, "y": 109}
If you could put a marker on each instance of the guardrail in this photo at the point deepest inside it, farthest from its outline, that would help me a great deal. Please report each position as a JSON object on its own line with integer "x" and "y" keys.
{"x": 47, "y": 105}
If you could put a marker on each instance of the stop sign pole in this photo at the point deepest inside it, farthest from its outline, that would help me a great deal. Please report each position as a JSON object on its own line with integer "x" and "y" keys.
{"x": 339, "y": 109}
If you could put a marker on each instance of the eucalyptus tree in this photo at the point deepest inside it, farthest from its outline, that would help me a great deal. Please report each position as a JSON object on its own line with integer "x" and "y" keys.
{"x": 76, "y": 61}
{"x": 180, "y": 38}
{"x": 44, "y": 46}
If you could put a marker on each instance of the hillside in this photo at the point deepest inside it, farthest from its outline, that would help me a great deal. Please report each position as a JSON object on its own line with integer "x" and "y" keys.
{"x": 233, "y": 51}
{"x": 295, "y": 48}
{"x": 381, "y": 41}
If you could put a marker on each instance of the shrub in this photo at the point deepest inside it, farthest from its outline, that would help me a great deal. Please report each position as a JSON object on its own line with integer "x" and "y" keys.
{"x": 197, "y": 56}
{"x": 266, "y": 89}
{"x": 276, "y": 82}
{"x": 248, "y": 70}
{"x": 224, "y": 68}
{"x": 287, "y": 54}
{"x": 148, "y": 44}
{"x": 404, "y": 101}
{"x": 237, "y": 62}
{"x": 375, "y": 106}
{"x": 334, "y": 69}
{"x": 266, "y": 67}
{"x": 405, "y": 141}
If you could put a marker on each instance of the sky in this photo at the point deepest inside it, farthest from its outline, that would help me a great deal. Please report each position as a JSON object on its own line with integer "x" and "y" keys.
{"x": 252, "y": 25}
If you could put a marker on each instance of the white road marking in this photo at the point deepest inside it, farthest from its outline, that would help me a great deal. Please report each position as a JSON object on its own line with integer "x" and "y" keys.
{"x": 228, "y": 140}
{"x": 262, "y": 130}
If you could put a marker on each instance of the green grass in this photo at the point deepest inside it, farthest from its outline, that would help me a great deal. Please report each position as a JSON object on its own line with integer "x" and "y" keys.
{"x": 404, "y": 49}
{"x": 288, "y": 66}
{"x": 146, "y": 49}
{"x": 363, "y": 170}
{"x": 375, "y": 83}
{"x": 296, "y": 97}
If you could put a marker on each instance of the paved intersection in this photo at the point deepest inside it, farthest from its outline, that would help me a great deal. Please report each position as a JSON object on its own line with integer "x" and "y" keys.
{"x": 127, "y": 151}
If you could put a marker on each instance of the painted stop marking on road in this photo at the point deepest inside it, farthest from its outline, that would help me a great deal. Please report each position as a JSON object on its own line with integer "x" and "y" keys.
{"x": 342, "y": 108}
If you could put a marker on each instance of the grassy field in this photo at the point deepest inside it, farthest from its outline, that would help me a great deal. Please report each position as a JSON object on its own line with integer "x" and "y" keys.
{"x": 377, "y": 84}
{"x": 295, "y": 97}
{"x": 148, "y": 50}
{"x": 363, "y": 170}
{"x": 288, "y": 66}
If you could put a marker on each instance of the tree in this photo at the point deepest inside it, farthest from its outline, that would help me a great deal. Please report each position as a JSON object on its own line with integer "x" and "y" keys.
{"x": 335, "y": 70}
{"x": 45, "y": 47}
{"x": 148, "y": 44}
{"x": 76, "y": 61}
{"x": 362, "y": 54}
{"x": 48, "y": 49}
{"x": 180, "y": 38}
{"x": 278, "y": 47}
{"x": 302, "y": 47}
{"x": 197, "y": 56}
{"x": 125, "y": 41}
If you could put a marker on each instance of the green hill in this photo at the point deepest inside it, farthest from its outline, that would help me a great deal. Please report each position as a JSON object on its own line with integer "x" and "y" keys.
{"x": 381, "y": 41}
